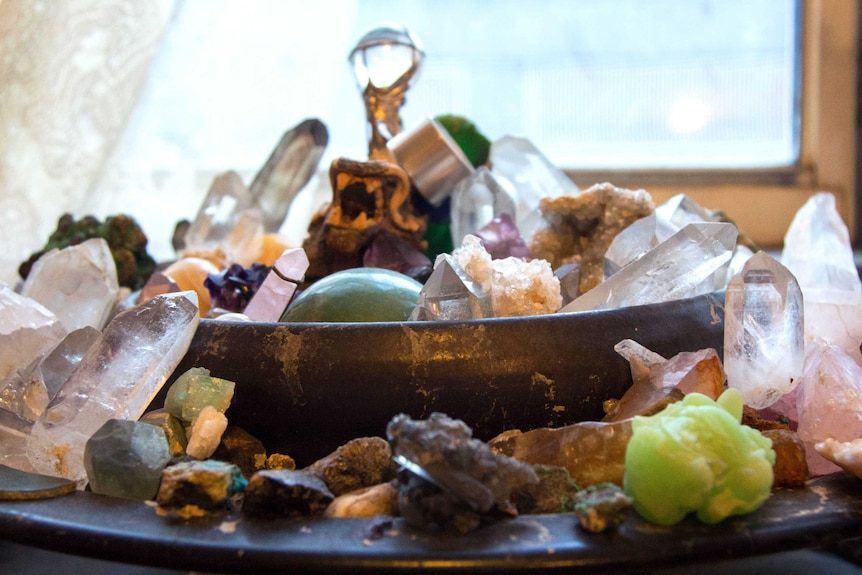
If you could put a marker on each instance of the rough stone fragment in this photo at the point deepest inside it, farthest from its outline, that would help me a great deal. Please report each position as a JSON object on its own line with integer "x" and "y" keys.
{"x": 763, "y": 335}
{"x": 829, "y": 402}
{"x": 279, "y": 461}
{"x": 285, "y": 493}
{"x": 196, "y": 389}
{"x": 242, "y": 449}
{"x": 476, "y": 201}
{"x": 287, "y": 171}
{"x": 602, "y": 507}
{"x": 517, "y": 287}
{"x": 208, "y": 484}
{"x": 274, "y": 294}
{"x": 451, "y": 294}
{"x": 677, "y": 268}
{"x": 635, "y": 240}
{"x": 78, "y": 283}
{"x": 593, "y": 452}
{"x": 791, "y": 466}
{"x": 845, "y": 454}
{"x": 817, "y": 248}
{"x": 441, "y": 450}
{"x": 205, "y": 432}
{"x": 126, "y": 458}
{"x": 502, "y": 238}
{"x": 579, "y": 229}
{"x": 388, "y": 251}
{"x": 552, "y": 494}
{"x": 172, "y": 427}
{"x": 220, "y": 211}
{"x": 570, "y": 281}
{"x": 370, "y": 501}
{"x": 357, "y": 464}
{"x": 520, "y": 163}
{"x": 691, "y": 372}
{"x": 27, "y": 330}
{"x": 117, "y": 379}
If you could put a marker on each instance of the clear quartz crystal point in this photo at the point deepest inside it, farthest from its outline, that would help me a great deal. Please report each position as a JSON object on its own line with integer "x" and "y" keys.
{"x": 636, "y": 240}
{"x": 677, "y": 268}
{"x": 476, "y": 202}
{"x": 117, "y": 379}
{"x": 518, "y": 162}
{"x": 450, "y": 293}
{"x": 27, "y": 330}
{"x": 817, "y": 247}
{"x": 276, "y": 291}
{"x": 287, "y": 171}
{"x": 763, "y": 332}
{"x": 78, "y": 283}
{"x": 220, "y": 211}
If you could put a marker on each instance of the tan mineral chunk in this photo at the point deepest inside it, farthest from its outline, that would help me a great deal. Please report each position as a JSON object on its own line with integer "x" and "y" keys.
{"x": 579, "y": 228}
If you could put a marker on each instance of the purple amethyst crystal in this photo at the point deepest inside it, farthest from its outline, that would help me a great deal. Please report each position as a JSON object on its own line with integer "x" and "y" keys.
{"x": 233, "y": 288}
{"x": 391, "y": 252}
{"x": 502, "y": 238}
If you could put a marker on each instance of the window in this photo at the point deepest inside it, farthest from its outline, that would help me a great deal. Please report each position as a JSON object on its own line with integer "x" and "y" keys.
{"x": 694, "y": 96}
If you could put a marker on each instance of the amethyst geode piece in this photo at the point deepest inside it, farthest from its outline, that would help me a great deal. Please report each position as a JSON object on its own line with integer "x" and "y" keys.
{"x": 233, "y": 288}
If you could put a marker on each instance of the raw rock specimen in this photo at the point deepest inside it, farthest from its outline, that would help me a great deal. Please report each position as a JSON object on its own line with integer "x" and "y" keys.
{"x": 371, "y": 501}
{"x": 579, "y": 228}
{"x": 242, "y": 449}
{"x": 78, "y": 283}
{"x": 205, "y": 433}
{"x": 602, "y": 507}
{"x": 196, "y": 389}
{"x": 357, "y": 464}
{"x": 271, "y": 298}
{"x": 829, "y": 402}
{"x": 388, "y": 251}
{"x": 791, "y": 465}
{"x": 517, "y": 287}
{"x": 695, "y": 456}
{"x": 126, "y": 458}
{"x": 554, "y": 493}
{"x": 233, "y": 288}
{"x": 172, "y": 427}
{"x": 116, "y": 379}
{"x": 476, "y": 201}
{"x": 285, "y": 493}
{"x": 533, "y": 177}
{"x": 677, "y": 268}
{"x": 451, "y": 480}
{"x": 220, "y": 211}
{"x": 502, "y": 239}
{"x": 190, "y": 273}
{"x": 207, "y": 485}
{"x": 763, "y": 334}
{"x": 288, "y": 169}
{"x": 450, "y": 293}
{"x": 593, "y": 452}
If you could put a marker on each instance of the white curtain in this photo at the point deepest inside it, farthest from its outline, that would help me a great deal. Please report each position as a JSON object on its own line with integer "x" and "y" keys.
{"x": 70, "y": 74}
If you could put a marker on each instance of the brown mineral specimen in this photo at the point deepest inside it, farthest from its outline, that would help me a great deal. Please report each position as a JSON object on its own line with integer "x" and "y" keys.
{"x": 579, "y": 229}
{"x": 371, "y": 501}
{"x": 359, "y": 463}
{"x": 242, "y": 449}
{"x": 552, "y": 494}
{"x": 206, "y": 485}
{"x": 593, "y": 452}
{"x": 368, "y": 198}
{"x": 279, "y": 461}
{"x": 791, "y": 467}
{"x": 285, "y": 493}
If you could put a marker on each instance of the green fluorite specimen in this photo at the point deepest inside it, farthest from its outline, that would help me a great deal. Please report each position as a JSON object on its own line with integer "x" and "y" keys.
{"x": 194, "y": 390}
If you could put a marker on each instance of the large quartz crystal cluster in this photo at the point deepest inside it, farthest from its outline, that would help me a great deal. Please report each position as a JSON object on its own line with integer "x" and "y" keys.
{"x": 66, "y": 372}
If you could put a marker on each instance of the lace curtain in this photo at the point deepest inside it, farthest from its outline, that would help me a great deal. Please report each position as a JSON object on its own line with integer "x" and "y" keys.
{"x": 70, "y": 75}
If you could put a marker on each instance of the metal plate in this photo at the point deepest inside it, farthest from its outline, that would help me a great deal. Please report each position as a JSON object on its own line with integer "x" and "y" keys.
{"x": 827, "y": 511}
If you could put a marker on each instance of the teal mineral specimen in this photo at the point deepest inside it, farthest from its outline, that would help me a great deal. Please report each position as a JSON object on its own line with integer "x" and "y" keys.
{"x": 126, "y": 458}
{"x": 194, "y": 390}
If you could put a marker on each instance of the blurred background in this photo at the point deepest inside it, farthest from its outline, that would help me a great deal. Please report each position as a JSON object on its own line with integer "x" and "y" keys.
{"x": 118, "y": 106}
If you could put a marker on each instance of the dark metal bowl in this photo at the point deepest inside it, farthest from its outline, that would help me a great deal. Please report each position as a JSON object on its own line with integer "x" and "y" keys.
{"x": 306, "y": 388}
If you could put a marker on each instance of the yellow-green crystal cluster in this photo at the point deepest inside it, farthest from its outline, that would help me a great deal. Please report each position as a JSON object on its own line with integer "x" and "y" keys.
{"x": 696, "y": 456}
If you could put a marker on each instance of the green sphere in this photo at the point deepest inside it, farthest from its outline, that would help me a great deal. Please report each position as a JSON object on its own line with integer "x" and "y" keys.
{"x": 358, "y": 295}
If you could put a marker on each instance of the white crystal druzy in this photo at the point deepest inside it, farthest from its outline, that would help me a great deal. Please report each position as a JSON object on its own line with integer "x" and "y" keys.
{"x": 517, "y": 287}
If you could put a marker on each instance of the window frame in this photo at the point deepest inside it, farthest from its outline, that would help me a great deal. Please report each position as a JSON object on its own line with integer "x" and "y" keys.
{"x": 763, "y": 201}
